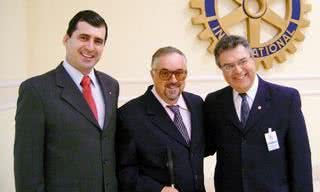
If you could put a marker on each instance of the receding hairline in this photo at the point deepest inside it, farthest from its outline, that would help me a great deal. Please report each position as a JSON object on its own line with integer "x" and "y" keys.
{"x": 230, "y": 42}
{"x": 164, "y": 51}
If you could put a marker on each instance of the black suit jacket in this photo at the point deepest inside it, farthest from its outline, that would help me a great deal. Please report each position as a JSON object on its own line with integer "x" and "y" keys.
{"x": 243, "y": 160}
{"x": 145, "y": 133}
{"x": 59, "y": 146}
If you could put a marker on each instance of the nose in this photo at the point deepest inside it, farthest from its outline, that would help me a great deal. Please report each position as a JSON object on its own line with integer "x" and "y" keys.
{"x": 90, "y": 45}
{"x": 237, "y": 68}
{"x": 173, "y": 78}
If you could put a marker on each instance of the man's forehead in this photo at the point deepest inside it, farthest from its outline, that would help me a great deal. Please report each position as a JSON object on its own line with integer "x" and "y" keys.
{"x": 85, "y": 28}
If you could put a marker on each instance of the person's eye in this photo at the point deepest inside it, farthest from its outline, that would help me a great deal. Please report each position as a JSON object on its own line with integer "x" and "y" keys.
{"x": 165, "y": 73}
{"x": 83, "y": 37}
{"x": 243, "y": 62}
{"x": 227, "y": 67}
{"x": 179, "y": 73}
{"x": 99, "y": 42}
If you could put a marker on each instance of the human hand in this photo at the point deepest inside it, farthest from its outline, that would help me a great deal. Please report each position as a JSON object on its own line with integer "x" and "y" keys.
{"x": 169, "y": 189}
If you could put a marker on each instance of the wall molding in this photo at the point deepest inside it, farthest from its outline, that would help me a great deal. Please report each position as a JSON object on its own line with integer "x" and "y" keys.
{"x": 192, "y": 79}
{"x": 215, "y": 78}
{"x": 16, "y": 83}
{"x": 7, "y": 106}
{"x": 9, "y": 83}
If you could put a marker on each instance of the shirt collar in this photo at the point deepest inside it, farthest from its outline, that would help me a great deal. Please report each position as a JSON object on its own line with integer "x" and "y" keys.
{"x": 180, "y": 102}
{"x": 251, "y": 93}
{"x": 76, "y": 75}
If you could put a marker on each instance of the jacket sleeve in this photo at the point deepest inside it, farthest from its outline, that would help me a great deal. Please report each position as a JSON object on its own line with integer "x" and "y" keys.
{"x": 29, "y": 141}
{"x": 130, "y": 179}
{"x": 209, "y": 127}
{"x": 300, "y": 171}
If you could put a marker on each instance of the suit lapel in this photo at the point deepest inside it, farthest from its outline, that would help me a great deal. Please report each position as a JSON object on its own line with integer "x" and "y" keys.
{"x": 229, "y": 109}
{"x": 108, "y": 98}
{"x": 72, "y": 95}
{"x": 260, "y": 105}
{"x": 160, "y": 118}
{"x": 195, "y": 117}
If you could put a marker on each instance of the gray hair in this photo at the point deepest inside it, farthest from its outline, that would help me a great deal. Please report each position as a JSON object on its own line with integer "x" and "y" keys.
{"x": 230, "y": 42}
{"x": 165, "y": 51}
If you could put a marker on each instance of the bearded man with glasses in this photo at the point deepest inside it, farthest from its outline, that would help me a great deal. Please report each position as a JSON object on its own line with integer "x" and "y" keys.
{"x": 160, "y": 141}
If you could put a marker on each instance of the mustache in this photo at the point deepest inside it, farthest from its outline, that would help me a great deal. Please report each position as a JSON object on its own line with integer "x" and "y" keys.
{"x": 178, "y": 84}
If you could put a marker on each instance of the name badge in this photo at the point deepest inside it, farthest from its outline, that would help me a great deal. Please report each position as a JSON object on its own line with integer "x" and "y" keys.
{"x": 271, "y": 140}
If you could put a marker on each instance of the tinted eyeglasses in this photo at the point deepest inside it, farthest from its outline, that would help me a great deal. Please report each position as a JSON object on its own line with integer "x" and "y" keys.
{"x": 165, "y": 74}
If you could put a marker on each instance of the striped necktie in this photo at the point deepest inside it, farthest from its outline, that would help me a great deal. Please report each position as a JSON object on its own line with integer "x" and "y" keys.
{"x": 178, "y": 122}
{"x": 245, "y": 109}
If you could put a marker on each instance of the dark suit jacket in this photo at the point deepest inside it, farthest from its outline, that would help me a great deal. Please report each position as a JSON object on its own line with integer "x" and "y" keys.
{"x": 59, "y": 146}
{"x": 144, "y": 134}
{"x": 243, "y": 160}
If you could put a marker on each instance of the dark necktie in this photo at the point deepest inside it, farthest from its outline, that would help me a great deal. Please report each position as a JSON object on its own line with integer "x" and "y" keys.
{"x": 245, "y": 109}
{"x": 87, "y": 94}
{"x": 177, "y": 120}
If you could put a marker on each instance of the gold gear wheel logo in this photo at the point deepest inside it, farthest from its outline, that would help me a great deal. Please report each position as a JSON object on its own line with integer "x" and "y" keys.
{"x": 288, "y": 27}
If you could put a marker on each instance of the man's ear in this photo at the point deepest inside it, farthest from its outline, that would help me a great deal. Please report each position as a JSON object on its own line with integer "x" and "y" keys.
{"x": 151, "y": 73}
{"x": 65, "y": 39}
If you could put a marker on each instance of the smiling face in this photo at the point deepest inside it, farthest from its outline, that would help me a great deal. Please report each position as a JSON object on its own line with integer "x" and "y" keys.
{"x": 242, "y": 76}
{"x": 85, "y": 46}
{"x": 169, "y": 90}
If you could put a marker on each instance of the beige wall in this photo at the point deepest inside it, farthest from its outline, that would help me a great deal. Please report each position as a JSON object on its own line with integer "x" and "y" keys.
{"x": 32, "y": 32}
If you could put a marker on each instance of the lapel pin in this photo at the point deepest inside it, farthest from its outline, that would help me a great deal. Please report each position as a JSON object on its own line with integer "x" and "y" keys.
{"x": 259, "y": 107}
{"x": 109, "y": 92}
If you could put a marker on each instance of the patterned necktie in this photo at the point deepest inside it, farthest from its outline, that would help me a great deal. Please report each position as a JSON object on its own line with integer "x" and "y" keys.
{"x": 245, "y": 109}
{"x": 177, "y": 120}
{"x": 87, "y": 94}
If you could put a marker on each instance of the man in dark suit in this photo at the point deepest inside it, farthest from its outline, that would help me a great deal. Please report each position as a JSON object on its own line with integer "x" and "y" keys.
{"x": 256, "y": 128}
{"x": 66, "y": 118}
{"x": 160, "y": 141}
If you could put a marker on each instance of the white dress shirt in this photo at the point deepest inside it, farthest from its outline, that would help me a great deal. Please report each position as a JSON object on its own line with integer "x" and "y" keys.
{"x": 251, "y": 94}
{"x": 77, "y": 76}
{"x": 184, "y": 111}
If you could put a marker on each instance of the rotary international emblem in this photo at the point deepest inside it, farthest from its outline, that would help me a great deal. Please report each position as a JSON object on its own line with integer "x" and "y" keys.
{"x": 283, "y": 29}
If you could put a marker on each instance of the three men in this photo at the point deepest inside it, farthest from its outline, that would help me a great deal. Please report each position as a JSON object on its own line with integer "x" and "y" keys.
{"x": 66, "y": 118}
{"x": 256, "y": 128}
{"x": 160, "y": 141}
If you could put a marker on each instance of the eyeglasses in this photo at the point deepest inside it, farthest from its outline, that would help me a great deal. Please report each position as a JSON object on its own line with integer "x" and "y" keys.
{"x": 230, "y": 67}
{"x": 165, "y": 74}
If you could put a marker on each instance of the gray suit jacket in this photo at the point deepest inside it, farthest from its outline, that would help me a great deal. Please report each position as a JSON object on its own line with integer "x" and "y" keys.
{"x": 59, "y": 146}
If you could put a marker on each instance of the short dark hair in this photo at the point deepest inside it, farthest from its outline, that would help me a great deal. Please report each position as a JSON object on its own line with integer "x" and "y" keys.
{"x": 230, "y": 42}
{"x": 165, "y": 51}
{"x": 90, "y": 17}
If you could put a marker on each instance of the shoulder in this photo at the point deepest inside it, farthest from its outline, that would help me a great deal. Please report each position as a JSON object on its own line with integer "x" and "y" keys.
{"x": 134, "y": 104}
{"x": 219, "y": 94}
{"x": 280, "y": 90}
{"x": 192, "y": 97}
{"x": 108, "y": 81}
{"x": 106, "y": 77}
{"x": 39, "y": 81}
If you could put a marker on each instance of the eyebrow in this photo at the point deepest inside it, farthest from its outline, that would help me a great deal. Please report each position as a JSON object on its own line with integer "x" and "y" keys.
{"x": 243, "y": 58}
{"x": 88, "y": 35}
{"x": 181, "y": 69}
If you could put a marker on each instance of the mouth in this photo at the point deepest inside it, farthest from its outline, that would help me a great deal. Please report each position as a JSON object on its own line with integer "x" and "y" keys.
{"x": 87, "y": 55}
{"x": 173, "y": 86}
{"x": 240, "y": 77}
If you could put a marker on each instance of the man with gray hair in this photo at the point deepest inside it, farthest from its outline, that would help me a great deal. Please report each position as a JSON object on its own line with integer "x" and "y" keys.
{"x": 160, "y": 141}
{"x": 256, "y": 128}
